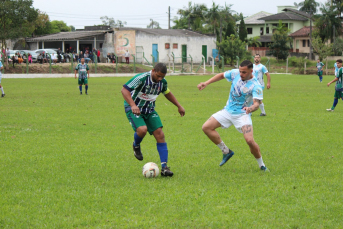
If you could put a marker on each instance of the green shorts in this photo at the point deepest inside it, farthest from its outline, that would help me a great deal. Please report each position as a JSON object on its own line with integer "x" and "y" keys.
{"x": 338, "y": 94}
{"x": 152, "y": 121}
{"x": 82, "y": 81}
{"x": 320, "y": 73}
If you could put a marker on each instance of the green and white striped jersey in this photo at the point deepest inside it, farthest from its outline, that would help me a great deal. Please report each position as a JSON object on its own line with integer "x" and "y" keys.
{"x": 144, "y": 92}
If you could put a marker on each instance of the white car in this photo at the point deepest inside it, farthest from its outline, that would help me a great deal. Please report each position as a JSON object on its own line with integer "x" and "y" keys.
{"x": 50, "y": 51}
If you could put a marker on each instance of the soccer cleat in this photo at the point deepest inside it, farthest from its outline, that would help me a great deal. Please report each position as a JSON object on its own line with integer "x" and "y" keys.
{"x": 86, "y": 93}
{"x": 226, "y": 157}
{"x": 166, "y": 172}
{"x": 329, "y": 109}
{"x": 263, "y": 114}
{"x": 80, "y": 92}
{"x": 137, "y": 152}
{"x": 264, "y": 168}
{"x": 3, "y": 95}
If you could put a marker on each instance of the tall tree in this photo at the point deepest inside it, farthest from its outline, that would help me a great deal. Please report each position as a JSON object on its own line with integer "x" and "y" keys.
{"x": 308, "y": 5}
{"x": 280, "y": 47}
{"x": 191, "y": 17}
{"x": 59, "y": 26}
{"x": 108, "y": 21}
{"x": 42, "y": 24}
{"x": 321, "y": 47}
{"x": 328, "y": 25}
{"x": 213, "y": 17}
{"x": 231, "y": 47}
{"x": 16, "y": 19}
{"x": 242, "y": 31}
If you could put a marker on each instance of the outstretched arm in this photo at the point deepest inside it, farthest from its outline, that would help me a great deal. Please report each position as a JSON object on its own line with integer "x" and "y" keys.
{"x": 215, "y": 78}
{"x": 332, "y": 81}
{"x": 268, "y": 80}
{"x": 127, "y": 96}
{"x": 253, "y": 107}
{"x": 173, "y": 100}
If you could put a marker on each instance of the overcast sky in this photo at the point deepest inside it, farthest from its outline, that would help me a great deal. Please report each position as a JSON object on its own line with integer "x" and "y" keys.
{"x": 137, "y": 13}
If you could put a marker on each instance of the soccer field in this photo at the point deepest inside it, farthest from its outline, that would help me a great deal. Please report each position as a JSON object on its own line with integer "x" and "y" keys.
{"x": 66, "y": 160}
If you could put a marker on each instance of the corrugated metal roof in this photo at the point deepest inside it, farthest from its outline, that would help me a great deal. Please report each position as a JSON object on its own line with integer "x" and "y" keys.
{"x": 302, "y": 13}
{"x": 284, "y": 16}
{"x": 64, "y": 36}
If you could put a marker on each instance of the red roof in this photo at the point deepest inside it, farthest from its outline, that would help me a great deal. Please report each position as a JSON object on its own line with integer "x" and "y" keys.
{"x": 303, "y": 32}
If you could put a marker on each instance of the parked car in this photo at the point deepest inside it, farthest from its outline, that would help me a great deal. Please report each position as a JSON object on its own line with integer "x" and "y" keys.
{"x": 50, "y": 51}
{"x": 33, "y": 53}
{"x": 13, "y": 52}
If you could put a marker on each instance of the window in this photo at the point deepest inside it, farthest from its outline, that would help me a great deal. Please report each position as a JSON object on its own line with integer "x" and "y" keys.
{"x": 175, "y": 46}
{"x": 249, "y": 30}
{"x": 167, "y": 46}
{"x": 308, "y": 43}
{"x": 304, "y": 43}
{"x": 267, "y": 30}
{"x": 261, "y": 31}
{"x": 101, "y": 45}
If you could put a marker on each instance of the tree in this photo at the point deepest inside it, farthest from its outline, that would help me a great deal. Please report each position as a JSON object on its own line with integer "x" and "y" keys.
{"x": 72, "y": 28}
{"x": 42, "y": 24}
{"x": 321, "y": 47}
{"x": 120, "y": 24}
{"x": 191, "y": 17}
{"x": 231, "y": 47}
{"x": 254, "y": 42}
{"x": 108, "y": 21}
{"x": 337, "y": 47}
{"x": 280, "y": 47}
{"x": 59, "y": 26}
{"x": 328, "y": 22}
{"x": 213, "y": 17}
{"x": 16, "y": 19}
{"x": 153, "y": 25}
{"x": 242, "y": 31}
{"x": 308, "y": 6}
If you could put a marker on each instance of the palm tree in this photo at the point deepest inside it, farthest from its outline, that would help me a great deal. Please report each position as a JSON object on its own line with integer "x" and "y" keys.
{"x": 308, "y": 6}
{"x": 213, "y": 17}
{"x": 327, "y": 21}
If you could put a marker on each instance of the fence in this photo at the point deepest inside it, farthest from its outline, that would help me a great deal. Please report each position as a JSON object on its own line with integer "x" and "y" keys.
{"x": 175, "y": 64}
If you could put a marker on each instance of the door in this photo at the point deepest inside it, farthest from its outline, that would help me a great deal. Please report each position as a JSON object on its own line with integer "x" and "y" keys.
{"x": 204, "y": 52}
{"x": 155, "y": 52}
{"x": 184, "y": 53}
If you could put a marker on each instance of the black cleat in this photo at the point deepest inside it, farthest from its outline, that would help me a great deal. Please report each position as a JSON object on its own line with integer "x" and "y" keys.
{"x": 137, "y": 152}
{"x": 166, "y": 172}
{"x": 80, "y": 92}
{"x": 263, "y": 114}
{"x": 3, "y": 95}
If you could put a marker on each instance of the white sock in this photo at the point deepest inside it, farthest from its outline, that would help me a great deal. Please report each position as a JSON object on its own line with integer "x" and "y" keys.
{"x": 260, "y": 162}
{"x": 223, "y": 148}
{"x": 2, "y": 90}
{"x": 262, "y": 108}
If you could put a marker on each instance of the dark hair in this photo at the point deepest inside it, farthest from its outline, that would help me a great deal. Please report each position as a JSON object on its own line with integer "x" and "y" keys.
{"x": 257, "y": 55}
{"x": 246, "y": 63}
{"x": 339, "y": 60}
{"x": 161, "y": 67}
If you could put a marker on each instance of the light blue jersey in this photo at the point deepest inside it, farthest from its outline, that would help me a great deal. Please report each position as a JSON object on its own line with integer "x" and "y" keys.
{"x": 259, "y": 71}
{"x": 336, "y": 69}
{"x": 0, "y": 71}
{"x": 242, "y": 92}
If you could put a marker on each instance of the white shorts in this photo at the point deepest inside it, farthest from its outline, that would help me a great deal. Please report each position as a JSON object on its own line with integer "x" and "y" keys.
{"x": 226, "y": 119}
{"x": 0, "y": 78}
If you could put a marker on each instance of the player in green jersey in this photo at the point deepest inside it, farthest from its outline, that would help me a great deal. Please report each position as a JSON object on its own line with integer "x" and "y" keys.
{"x": 140, "y": 94}
{"x": 338, "y": 88}
{"x": 83, "y": 70}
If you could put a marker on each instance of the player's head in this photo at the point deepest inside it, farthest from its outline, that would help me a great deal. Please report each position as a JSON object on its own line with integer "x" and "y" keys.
{"x": 339, "y": 63}
{"x": 159, "y": 72}
{"x": 82, "y": 60}
{"x": 318, "y": 60}
{"x": 257, "y": 58}
{"x": 245, "y": 70}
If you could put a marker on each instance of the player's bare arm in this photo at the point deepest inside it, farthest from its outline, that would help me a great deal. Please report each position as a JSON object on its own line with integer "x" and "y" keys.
{"x": 174, "y": 101}
{"x": 88, "y": 73}
{"x": 332, "y": 81}
{"x": 215, "y": 78}
{"x": 75, "y": 73}
{"x": 127, "y": 96}
{"x": 253, "y": 107}
{"x": 268, "y": 80}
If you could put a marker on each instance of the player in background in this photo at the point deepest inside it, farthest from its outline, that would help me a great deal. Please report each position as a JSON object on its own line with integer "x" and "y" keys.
{"x": 140, "y": 94}
{"x": 336, "y": 68}
{"x": 246, "y": 95}
{"x": 338, "y": 88}
{"x": 1, "y": 88}
{"x": 83, "y": 70}
{"x": 320, "y": 66}
{"x": 258, "y": 71}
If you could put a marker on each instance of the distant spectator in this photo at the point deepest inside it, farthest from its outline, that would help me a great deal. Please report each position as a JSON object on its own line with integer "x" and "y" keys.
{"x": 86, "y": 57}
{"x": 45, "y": 59}
{"x": 59, "y": 55}
{"x": 30, "y": 58}
{"x": 98, "y": 55}
{"x": 8, "y": 53}
{"x": 127, "y": 56}
{"x": 80, "y": 56}
{"x": 20, "y": 58}
{"x": 40, "y": 58}
{"x": 53, "y": 58}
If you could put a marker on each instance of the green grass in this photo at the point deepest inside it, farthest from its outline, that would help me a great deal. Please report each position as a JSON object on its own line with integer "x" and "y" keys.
{"x": 66, "y": 160}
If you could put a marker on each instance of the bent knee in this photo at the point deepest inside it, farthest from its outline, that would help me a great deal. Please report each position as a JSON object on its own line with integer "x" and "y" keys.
{"x": 142, "y": 130}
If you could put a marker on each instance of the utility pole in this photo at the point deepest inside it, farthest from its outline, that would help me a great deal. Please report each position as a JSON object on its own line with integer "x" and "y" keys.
{"x": 169, "y": 17}
{"x": 310, "y": 34}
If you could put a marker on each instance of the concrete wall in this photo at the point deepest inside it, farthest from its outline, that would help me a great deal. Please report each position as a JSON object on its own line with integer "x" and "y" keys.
{"x": 194, "y": 46}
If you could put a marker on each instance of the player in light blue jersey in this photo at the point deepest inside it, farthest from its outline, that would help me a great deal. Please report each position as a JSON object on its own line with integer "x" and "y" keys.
{"x": 258, "y": 71}
{"x": 336, "y": 68}
{"x": 245, "y": 97}
{"x": 1, "y": 88}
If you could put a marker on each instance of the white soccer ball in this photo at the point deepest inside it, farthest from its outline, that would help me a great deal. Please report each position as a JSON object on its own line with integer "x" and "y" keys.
{"x": 150, "y": 170}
